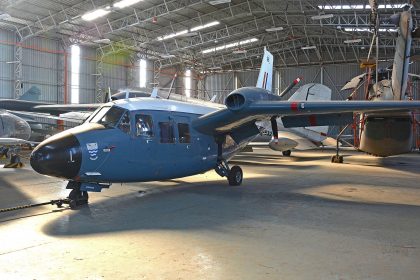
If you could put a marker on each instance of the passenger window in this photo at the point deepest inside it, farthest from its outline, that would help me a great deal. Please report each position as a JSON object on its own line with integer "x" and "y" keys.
{"x": 184, "y": 133}
{"x": 166, "y": 132}
{"x": 125, "y": 123}
{"x": 144, "y": 125}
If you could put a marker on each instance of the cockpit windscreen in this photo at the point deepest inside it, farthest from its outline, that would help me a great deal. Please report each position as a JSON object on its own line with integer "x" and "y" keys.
{"x": 108, "y": 116}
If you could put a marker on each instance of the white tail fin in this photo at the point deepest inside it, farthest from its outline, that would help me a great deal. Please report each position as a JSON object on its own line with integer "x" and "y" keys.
{"x": 265, "y": 77}
{"x": 312, "y": 92}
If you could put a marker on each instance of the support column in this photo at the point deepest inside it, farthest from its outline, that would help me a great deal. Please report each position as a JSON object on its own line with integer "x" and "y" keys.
{"x": 157, "y": 67}
{"x": 18, "y": 70}
{"x": 99, "y": 76}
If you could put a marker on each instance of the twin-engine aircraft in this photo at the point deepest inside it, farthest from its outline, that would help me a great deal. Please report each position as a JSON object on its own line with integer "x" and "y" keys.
{"x": 149, "y": 139}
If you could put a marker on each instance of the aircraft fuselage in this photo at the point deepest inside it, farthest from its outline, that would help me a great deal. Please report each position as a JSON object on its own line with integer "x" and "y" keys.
{"x": 122, "y": 152}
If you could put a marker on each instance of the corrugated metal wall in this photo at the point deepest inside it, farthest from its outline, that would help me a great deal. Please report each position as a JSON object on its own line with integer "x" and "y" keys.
{"x": 42, "y": 66}
{"x": 114, "y": 71}
{"x": 6, "y": 69}
{"x": 220, "y": 84}
{"x": 87, "y": 78}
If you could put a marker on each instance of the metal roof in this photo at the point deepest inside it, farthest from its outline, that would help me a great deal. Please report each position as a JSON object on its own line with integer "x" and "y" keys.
{"x": 138, "y": 27}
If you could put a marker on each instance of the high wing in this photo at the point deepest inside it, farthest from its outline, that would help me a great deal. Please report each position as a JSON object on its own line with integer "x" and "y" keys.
{"x": 41, "y": 107}
{"x": 247, "y": 105}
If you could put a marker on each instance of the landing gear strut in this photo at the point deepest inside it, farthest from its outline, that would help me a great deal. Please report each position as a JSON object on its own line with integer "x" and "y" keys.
{"x": 76, "y": 196}
{"x": 234, "y": 174}
{"x": 337, "y": 158}
{"x": 287, "y": 153}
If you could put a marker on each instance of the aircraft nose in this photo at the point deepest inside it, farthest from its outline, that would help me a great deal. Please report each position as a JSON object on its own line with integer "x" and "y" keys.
{"x": 59, "y": 156}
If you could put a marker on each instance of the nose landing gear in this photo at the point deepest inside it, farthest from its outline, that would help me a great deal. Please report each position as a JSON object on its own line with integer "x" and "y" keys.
{"x": 76, "y": 196}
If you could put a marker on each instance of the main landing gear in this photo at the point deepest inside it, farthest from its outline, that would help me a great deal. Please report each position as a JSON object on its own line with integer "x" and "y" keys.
{"x": 337, "y": 158}
{"x": 234, "y": 174}
{"x": 76, "y": 196}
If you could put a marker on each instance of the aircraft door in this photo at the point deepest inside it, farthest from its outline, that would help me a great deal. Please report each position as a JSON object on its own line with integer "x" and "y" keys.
{"x": 144, "y": 134}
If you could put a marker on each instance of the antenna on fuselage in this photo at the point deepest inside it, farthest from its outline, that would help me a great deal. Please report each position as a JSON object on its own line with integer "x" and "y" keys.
{"x": 127, "y": 95}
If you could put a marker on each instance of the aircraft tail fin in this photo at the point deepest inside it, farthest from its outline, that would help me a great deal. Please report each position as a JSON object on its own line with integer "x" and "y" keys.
{"x": 265, "y": 77}
{"x": 31, "y": 94}
{"x": 313, "y": 92}
{"x": 402, "y": 55}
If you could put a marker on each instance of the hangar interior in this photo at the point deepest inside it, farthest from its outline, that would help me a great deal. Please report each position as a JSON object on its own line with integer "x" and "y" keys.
{"x": 336, "y": 226}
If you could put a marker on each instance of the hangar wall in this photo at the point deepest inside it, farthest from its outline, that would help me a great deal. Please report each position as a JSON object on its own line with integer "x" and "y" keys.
{"x": 6, "y": 69}
{"x": 43, "y": 66}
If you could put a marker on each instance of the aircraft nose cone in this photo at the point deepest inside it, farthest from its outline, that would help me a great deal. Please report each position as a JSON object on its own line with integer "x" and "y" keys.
{"x": 59, "y": 156}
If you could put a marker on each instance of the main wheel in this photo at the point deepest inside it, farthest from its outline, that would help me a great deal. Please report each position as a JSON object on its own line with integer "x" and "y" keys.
{"x": 287, "y": 153}
{"x": 235, "y": 176}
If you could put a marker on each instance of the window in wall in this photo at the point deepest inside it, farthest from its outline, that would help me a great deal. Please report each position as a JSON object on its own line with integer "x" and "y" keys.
{"x": 142, "y": 73}
{"x": 75, "y": 73}
{"x": 188, "y": 83}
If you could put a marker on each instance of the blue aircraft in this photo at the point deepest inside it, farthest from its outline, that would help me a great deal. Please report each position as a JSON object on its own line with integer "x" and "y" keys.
{"x": 149, "y": 139}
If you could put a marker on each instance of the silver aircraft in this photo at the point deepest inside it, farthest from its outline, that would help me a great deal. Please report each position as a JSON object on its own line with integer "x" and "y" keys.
{"x": 389, "y": 133}
{"x": 149, "y": 139}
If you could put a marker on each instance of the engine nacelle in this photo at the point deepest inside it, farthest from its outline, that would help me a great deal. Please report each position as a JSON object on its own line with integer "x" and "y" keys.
{"x": 282, "y": 144}
{"x": 240, "y": 98}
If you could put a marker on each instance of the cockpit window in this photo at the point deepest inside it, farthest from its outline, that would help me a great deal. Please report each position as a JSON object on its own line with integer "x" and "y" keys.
{"x": 144, "y": 125}
{"x": 124, "y": 124}
{"x": 108, "y": 116}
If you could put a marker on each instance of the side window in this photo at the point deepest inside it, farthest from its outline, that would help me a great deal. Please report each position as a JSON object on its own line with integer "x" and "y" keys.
{"x": 144, "y": 125}
{"x": 184, "y": 133}
{"x": 166, "y": 132}
{"x": 125, "y": 123}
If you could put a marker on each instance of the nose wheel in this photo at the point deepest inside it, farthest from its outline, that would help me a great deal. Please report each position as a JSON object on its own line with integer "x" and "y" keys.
{"x": 76, "y": 196}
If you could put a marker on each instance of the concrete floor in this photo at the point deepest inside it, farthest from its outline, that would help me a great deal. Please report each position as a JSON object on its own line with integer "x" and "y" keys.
{"x": 293, "y": 218}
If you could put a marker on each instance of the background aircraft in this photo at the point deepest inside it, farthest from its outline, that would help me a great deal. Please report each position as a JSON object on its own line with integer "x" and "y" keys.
{"x": 386, "y": 134}
{"x": 148, "y": 139}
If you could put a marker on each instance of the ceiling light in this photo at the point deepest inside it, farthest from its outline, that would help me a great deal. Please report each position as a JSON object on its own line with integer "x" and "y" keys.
{"x": 352, "y": 41}
{"x": 319, "y": 17}
{"x": 218, "y": 2}
{"x": 189, "y": 34}
{"x": 215, "y": 68}
{"x": 102, "y": 41}
{"x": 167, "y": 56}
{"x": 230, "y": 45}
{"x": 213, "y": 23}
{"x": 365, "y": 29}
{"x": 359, "y": 7}
{"x": 96, "y": 14}
{"x": 12, "y": 62}
{"x": 273, "y": 29}
{"x": 308, "y": 48}
{"x": 172, "y": 35}
{"x": 125, "y": 3}
{"x": 4, "y": 16}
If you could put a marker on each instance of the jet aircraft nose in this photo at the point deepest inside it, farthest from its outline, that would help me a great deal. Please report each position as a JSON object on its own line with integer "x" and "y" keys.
{"x": 59, "y": 156}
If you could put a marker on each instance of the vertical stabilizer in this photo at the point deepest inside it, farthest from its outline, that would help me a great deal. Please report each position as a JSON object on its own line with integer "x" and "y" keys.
{"x": 31, "y": 94}
{"x": 265, "y": 77}
{"x": 402, "y": 53}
